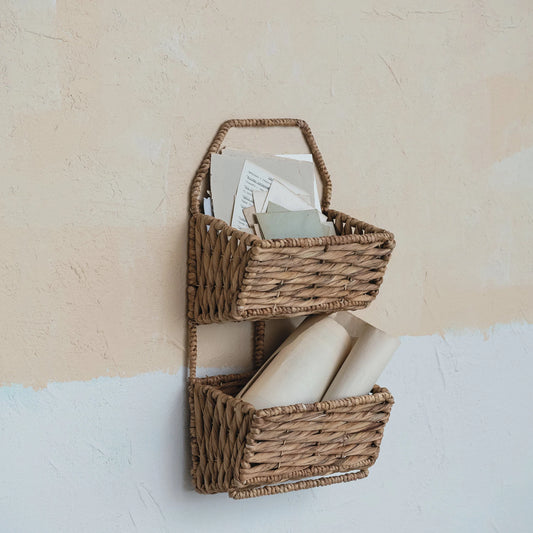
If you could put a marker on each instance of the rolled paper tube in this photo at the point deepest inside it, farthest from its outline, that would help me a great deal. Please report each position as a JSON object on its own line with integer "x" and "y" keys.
{"x": 363, "y": 365}
{"x": 305, "y": 324}
{"x": 353, "y": 325}
{"x": 302, "y": 368}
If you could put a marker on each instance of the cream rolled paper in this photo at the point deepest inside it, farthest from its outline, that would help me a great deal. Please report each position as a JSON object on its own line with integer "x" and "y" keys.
{"x": 353, "y": 325}
{"x": 363, "y": 365}
{"x": 302, "y": 367}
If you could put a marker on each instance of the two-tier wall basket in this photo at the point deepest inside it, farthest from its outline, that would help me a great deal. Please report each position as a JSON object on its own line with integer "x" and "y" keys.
{"x": 236, "y": 276}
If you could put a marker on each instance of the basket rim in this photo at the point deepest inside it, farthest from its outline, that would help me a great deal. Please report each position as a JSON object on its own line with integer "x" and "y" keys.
{"x": 280, "y": 311}
{"x": 377, "y": 395}
{"x": 273, "y": 312}
{"x": 380, "y": 235}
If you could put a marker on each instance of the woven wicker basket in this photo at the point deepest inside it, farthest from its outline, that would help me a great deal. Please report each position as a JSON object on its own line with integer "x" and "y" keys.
{"x": 237, "y": 276}
{"x": 248, "y": 452}
{"x": 233, "y": 275}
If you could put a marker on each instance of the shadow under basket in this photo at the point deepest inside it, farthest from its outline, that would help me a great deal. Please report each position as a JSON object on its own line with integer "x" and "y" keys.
{"x": 248, "y": 452}
{"x": 233, "y": 275}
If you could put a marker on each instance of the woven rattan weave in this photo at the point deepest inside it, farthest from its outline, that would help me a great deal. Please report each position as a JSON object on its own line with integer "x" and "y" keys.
{"x": 248, "y": 452}
{"x": 236, "y": 276}
{"x": 233, "y": 275}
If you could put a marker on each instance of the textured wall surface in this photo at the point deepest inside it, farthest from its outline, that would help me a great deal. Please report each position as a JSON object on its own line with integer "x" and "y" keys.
{"x": 110, "y": 454}
{"x": 424, "y": 115}
{"x": 422, "y": 110}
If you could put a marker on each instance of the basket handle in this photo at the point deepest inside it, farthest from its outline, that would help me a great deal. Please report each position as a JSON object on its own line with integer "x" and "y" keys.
{"x": 201, "y": 173}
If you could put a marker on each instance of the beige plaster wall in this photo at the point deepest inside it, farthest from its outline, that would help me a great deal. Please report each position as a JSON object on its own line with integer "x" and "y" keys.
{"x": 422, "y": 109}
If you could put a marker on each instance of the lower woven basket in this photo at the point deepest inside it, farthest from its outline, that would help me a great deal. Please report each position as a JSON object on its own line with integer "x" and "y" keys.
{"x": 248, "y": 452}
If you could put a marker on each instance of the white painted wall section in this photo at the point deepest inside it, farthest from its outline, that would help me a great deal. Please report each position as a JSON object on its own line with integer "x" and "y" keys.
{"x": 111, "y": 454}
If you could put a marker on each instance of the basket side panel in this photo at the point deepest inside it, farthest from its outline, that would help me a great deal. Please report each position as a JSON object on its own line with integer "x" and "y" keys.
{"x": 219, "y": 426}
{"x": 218, "y": 258}
{"x": 294, "y": 445}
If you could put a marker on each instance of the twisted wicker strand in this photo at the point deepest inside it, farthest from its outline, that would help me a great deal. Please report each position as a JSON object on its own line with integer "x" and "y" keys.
{"x": 192, "y": 337}
{"x": 259, "y": 343}
{"x": 239, "y": 494}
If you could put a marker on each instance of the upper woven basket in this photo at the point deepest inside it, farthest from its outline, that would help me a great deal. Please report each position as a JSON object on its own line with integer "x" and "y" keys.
{"x": 233, "y": 275}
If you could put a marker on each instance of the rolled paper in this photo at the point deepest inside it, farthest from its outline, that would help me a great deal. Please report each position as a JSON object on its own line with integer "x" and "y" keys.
{"x": 353, "y": 325}
{"x": 302, "y": 367}
{"x": 363, "y": 365}
{"x": 305, "y": 324}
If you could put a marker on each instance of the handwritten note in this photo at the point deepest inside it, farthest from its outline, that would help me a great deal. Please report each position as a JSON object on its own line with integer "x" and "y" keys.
{"x": 253, "y": 178}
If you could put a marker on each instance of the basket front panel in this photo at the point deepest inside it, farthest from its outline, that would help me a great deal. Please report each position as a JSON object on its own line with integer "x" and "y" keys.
{"x": 343, "y": 274}
{"x": 291, "y": 446}
{"x": 219, "y": 426}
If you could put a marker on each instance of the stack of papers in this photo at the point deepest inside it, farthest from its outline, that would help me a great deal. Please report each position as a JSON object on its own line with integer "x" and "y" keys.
{"x": 273, "y": 196}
